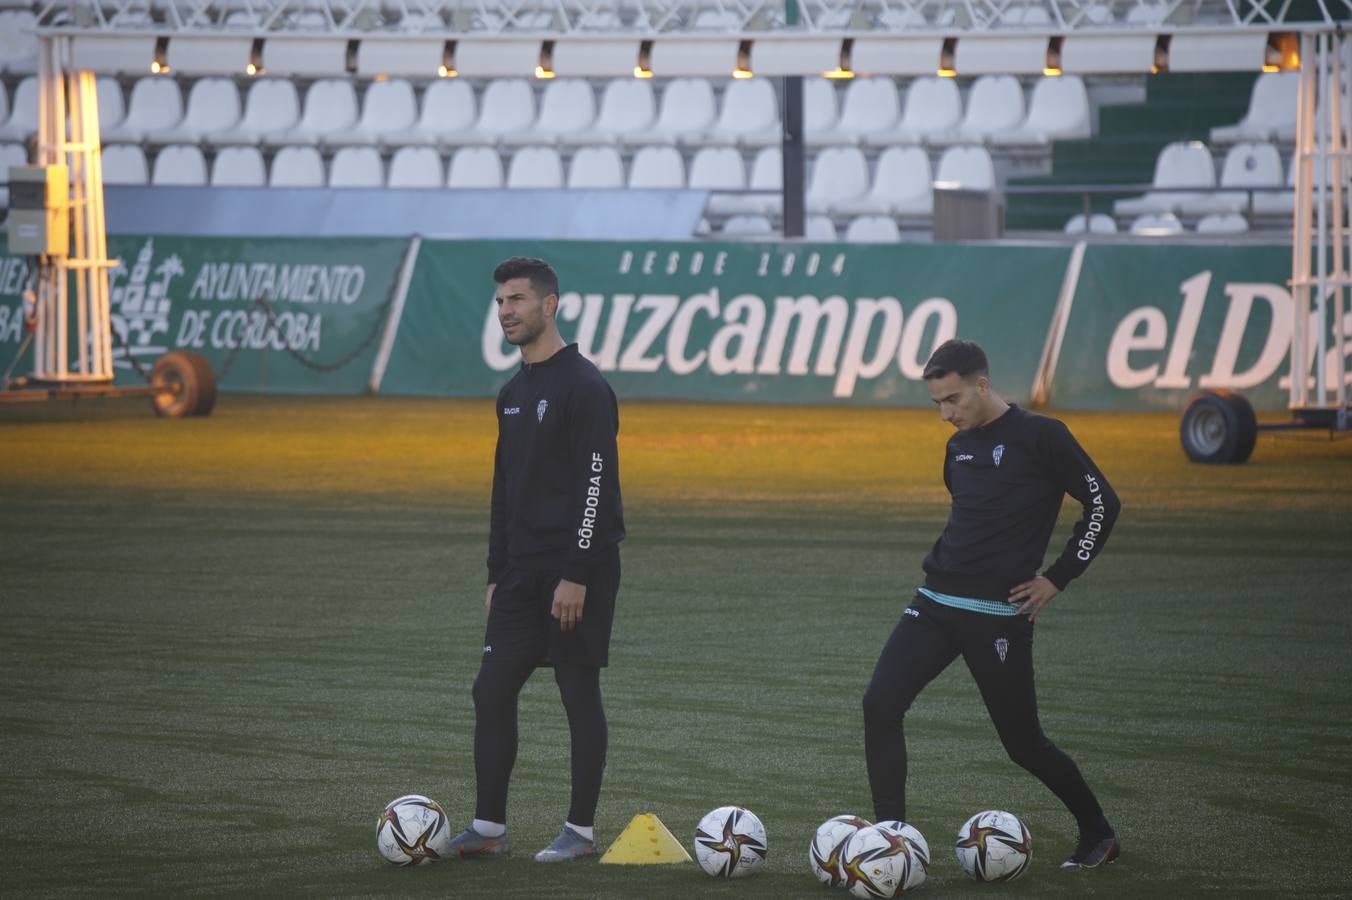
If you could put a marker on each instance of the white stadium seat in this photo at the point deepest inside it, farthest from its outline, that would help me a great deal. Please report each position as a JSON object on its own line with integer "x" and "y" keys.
{"x": 416, "y": 167}
{"x": 1271, "y": 114}
{"x": 687, "y": 108}
{"x": 1098, "y": 223}
{"x": 507, "y": 106}
{"x": 657, "y": 167}
{"x": 902, "y": 185}
{"x": 747, "y": 226}
{"x": 839, "y": 175}
{"x": 448, "y": 110}
{"x": 1223, "y": 223}
{"x": 567, "y": 106}
{"x": 717, "y": 169}
{"x": 475, "y": 167}
{"x": 1246, "y": 166}
{"x": 124, "y": 164}
{"x": 112, "y": 108}
{"x": 596, "y": 167}
{"x": 330, "y": 108}
{"x": 871, "y": 106}
{"x": 18, "y": 41}
{"x": 238, "y": 167}
{"x": 297, "y": 167}
{"x": 994, "y": 105}
{"x": 1179, "y": 165}
{"x": 933, "y": 106}
{"x": 388, "y": 107}
{"x": 357, "y": 167}
{"x": 873, "y": 230}
{"x": 819, "y": 228}
{"x": 156, "y": 104}
{"x": 627, "y": 108}
{"x": 1278, "y": 203}
{"x": 749, "y": 116}
{"x": 213, "y": 107}
{"x": 270, "y": 106}
{"x": 535, "y": 167}
{"x": 821, "y": 112}
{"x": 179, "y": 164}
{"x": 967, "y": 167}
{"x": 1163, "y": 224}
{"x": 1059, "y": 108}
{"x": 23, "y": 113}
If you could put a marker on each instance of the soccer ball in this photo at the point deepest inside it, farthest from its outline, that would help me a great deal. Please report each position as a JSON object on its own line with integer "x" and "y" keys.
{"x": 730, "y": 842}
{"x": 413, "y": 830}
{"x": 994, "y": 846}
{"x": 884, "y": 860}
{"x": 823, "y": 854}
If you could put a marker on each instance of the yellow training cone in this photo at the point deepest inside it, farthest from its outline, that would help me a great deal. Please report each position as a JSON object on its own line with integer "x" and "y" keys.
{"x": 645, "y": 840}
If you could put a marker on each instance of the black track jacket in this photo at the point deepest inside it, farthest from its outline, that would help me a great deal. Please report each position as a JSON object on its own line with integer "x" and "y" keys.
{"x": 556, "y": 473}
{"x": 1007, "y": 481}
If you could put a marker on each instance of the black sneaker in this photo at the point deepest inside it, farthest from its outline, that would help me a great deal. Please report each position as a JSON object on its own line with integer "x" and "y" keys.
{"x": 1092, "y": 852}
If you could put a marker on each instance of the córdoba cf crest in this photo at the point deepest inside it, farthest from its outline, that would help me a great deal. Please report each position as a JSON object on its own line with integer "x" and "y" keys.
{"x": 1001, "y": 648}
{"x": 540, "y": 410}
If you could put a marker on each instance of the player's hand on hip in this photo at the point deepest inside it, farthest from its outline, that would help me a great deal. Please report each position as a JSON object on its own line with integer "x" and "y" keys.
{"x": 488, "y": 599}
{"x": 569, "y": 598}
{"x": 1032, "y": 596}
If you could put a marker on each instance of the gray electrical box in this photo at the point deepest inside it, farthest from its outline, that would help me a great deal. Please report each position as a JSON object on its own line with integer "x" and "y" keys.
{"x": 39, "y": 213}
{"x": 963, "y": 214}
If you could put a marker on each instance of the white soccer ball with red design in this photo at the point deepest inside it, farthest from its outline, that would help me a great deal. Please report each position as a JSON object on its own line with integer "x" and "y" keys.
{"x": 994, "y": 846}
{"x": 884, "y": 860}
{"x": 730, "y": 842}
{"x": 413, "y": 830}
{"x": 823, "y": 854}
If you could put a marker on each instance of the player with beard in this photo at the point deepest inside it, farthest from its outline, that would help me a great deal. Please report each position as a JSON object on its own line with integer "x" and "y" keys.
{"x": 553, "y": 560}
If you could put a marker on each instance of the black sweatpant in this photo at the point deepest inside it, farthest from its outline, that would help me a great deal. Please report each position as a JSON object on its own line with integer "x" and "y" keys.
{"x": 998, "y": 651}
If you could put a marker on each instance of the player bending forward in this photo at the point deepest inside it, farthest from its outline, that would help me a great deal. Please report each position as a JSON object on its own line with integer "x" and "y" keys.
{"x": 1007, "y": 471}
{"x": 553, "y": 560}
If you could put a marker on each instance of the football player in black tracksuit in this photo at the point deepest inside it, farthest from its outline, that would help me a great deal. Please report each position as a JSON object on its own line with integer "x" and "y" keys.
{"x": 1007, "y": 471}
{"x": 553, "y": 560}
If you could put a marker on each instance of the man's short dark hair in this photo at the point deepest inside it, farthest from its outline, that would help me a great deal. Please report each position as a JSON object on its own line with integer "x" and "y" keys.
{"x": 964, "y": 357}
{"x": 543, "y": 279}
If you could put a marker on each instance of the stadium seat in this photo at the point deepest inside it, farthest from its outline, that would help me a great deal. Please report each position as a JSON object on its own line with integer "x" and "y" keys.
{"x": 213, "y": 106}
{"x": 112, "y": 108}
{"x": 1146, "y": 13}
{"x": 1222, "y": 223}
{"x": 933, "y": 106}
{"x": 357, "y": 167}
{"x": 901, "y": 19}
{"x": 717, "y": 169}
{"x": 749, "y": 116}
{"x": 179, "y": 164}
{"x": 871, "y": 106}
{"x": 23, "y": 113}
{"x": 124, "y": 164}
{"x": 238, "y": 167}
{"x": 535, "y": 167}
{"x": 1278, "y": 203}
{"x": 819, "y": 228}
{"x": 507, "y": 106}
{"x": 839, "y": 175}
{"x": 1098, "y": 223}
{"x": 1271, "y": 114}
{"x": 873, "y": 230}
{"x": 1246, "y": 166}
{"x": 747, "y": 226}
{"x": 657, "y": 167}
{"x": 902, "y": 185}
{"x": 330, "y": 108}
{"x": 18, "y": 41}
{"x": 687, "y": 108}
{"x": 388, "y": 107}
{"x": 720, "y": 20}
{"x": 968, "y": 167}
{"x": 1179, "y": 165}
{"x": 271, "y": 106}
{"x": 1059, "y": 108}
{"x": 448, "y": 111}
{"x": 766, "y": 186}
{"x": 821, "y": 112}
{"x": 156, "y": 104}
{"x": 1163, "y": 224}
{"x": 994, "y": 105}
{"x": 627, "y": 108}
{"x": 596, "y": 167}
{"x": 568, "y": 106}
{"x": 416, "y": 167}
{"x": 475, "y": 167}
{"x": 297, "y": 167}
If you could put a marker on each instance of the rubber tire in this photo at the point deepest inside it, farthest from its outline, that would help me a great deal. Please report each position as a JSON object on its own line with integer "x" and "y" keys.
{"x": 1218, "y": 427}
{"x": 195, "y": 381}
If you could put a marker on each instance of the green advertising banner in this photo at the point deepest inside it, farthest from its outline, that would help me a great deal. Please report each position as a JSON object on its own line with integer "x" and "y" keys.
{"x": 285, "y": 315}
{"x": 1151, "y": 325}
{"x": 796, "y": 323}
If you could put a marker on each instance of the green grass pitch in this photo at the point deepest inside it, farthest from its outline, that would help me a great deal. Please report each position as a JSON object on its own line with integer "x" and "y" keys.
{"x": 225, "y": 643}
